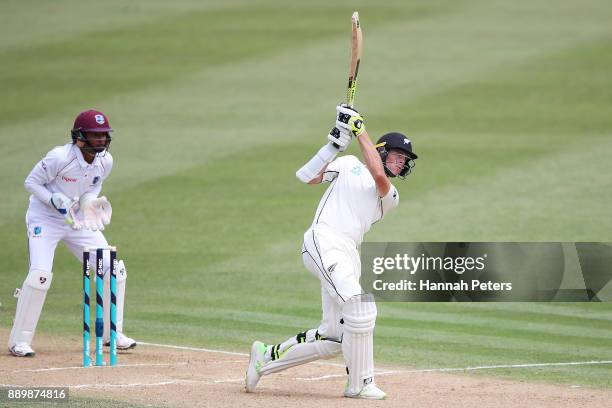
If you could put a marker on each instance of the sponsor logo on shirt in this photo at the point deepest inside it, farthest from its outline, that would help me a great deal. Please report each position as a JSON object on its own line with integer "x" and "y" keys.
{"x": 69, "y": 180}
{"x": 44, "y": 166}
{"x": 95, "y": 180}
{"x": 356, "y": 170}
{"x": 37, "y": 231}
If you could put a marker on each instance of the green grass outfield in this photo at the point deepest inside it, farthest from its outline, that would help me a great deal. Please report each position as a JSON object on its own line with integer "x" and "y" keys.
{"x": 215, "y": 106}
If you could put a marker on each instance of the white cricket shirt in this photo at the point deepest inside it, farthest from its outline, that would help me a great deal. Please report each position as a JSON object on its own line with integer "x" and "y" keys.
{"x": 351, "y": 203}
{"x": 64, "y": 170}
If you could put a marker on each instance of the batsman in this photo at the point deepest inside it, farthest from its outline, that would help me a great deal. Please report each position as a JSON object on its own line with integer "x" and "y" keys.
{"x": 64, "y": 206}
{"x": 359, "y": 195}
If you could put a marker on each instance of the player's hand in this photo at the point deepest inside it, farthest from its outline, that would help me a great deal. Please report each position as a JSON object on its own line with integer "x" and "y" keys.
{"x": 64, "y": 206}
{"x": 348, "y": 118}
{"x": 340, "y": 138}
{"x": 70, "y": 218}
{"x": 97, "y": 213}
{"x": 61, "y": 202}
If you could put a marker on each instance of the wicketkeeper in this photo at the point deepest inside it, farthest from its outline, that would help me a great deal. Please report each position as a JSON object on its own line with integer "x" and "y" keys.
{"x": 64, "y": 206}
{"x": 358, "y": 196}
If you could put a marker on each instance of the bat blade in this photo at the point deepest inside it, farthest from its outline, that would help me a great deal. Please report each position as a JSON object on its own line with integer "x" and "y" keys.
{"x": 356, "y": 48}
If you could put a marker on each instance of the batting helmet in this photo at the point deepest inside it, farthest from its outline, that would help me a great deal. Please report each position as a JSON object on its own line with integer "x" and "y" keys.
{"x": 91, "y": 121}
{"x": 395, "y": 140}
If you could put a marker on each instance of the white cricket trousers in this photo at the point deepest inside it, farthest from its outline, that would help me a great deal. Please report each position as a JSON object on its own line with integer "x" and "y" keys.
{"x": 45, "y": 232}
{"x": 333, "y": 259}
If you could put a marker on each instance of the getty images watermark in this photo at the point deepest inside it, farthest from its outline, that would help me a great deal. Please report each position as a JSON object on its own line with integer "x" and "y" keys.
{"x": 481, "y": 271}
{"x": 423, "y": 263}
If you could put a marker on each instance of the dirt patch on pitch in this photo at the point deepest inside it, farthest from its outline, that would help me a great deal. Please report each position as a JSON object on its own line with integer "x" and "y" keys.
{"x": 189, "y": 378}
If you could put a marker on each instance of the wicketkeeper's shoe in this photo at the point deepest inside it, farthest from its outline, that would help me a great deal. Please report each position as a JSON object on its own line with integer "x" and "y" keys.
{"x": 370, "y": 391}
{"x": 258, "y": 350}
{"x": 123, "y": 342}
{"x": 22, "y": 350}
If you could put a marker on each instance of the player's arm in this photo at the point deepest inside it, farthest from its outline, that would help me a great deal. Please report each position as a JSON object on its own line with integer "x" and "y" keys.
{"x": 319, "y": 178}
{"x": 374, "y": 164}
{"x": 352, "y": 121}
{"x": 43, "y": 173}
{"x": 313, "y": 172}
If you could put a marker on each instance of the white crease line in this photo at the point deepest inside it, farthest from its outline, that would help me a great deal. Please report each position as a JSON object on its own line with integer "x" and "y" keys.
{"x": 229, "y": 361}
{"x": 432, "y": 370}
{"x": 131, "y": 385}
{"x": 177, "y": 382}
{"x": 106, "y": 385}
{"x": 39, "y": 370}
{"x": 329, "y": 363}
{"x": 237, "y": 380}
{"x": 426, "y": 370}
{"x": 231, "y": 353}
{"x": 156, "y": 384}
{"x": 323, "y": 377}
{"x": 489, "y": 367}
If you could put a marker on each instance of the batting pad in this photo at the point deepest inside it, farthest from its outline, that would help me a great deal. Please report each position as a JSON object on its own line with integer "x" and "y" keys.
{"x": 29, "y": 306}
{"x": 359, "y": 316}
{"x": 301, "y": 354}
{"x": 121, "y": 277}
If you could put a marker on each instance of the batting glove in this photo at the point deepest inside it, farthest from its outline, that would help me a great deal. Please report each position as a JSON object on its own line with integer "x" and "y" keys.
{"x": 340, "y": 138}
{"x": 348, "y": 118}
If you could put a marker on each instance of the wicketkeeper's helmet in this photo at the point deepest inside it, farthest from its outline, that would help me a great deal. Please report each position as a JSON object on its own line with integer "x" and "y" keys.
{"x": 91, "y": 121}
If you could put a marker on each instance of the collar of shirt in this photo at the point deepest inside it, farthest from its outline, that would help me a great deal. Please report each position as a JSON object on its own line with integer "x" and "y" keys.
{"x": 79, "y": 155}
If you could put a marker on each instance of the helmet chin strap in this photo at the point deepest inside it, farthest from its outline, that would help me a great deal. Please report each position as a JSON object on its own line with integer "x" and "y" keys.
{"x": 399, "y": 175}
{"x": 388, "y": 171}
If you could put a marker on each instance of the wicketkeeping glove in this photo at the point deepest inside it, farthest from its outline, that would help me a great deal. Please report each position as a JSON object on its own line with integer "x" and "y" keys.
{"x": 349, "y": 119}
{"x": 340, "y": 137}
{"x": 96, "y": 213}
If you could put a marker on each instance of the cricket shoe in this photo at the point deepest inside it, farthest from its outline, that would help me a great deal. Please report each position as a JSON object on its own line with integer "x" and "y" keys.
{"x": 22, "y": 350}
{"x": 256, "y": 361}
{"x": 123, "y": 342}
{"x": 370, "y": 391}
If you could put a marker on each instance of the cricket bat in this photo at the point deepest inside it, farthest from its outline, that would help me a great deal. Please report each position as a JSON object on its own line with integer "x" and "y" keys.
{"x": 356, "y": 47}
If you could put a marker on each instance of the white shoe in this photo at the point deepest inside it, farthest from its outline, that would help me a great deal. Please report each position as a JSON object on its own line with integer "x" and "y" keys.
{"x": 370, "y": 391}
{"x": 258, "y": 349}
{"x": 123, "y": 342}
{"x": 22, "y": 350}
